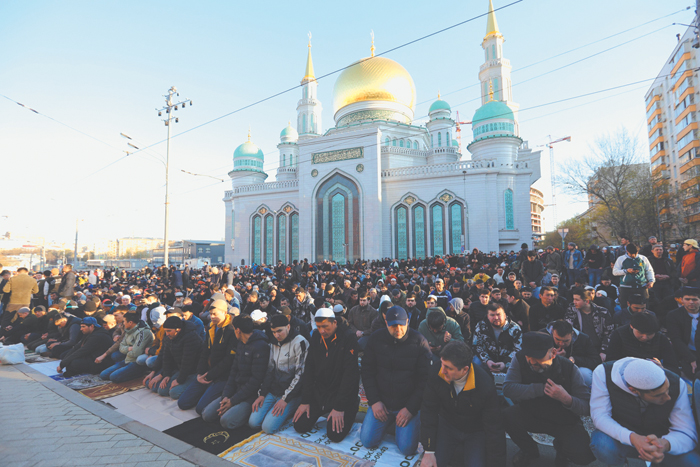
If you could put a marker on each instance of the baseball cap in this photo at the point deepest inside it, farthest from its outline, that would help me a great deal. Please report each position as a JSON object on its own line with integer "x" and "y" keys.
{"x": 395, "y": 316}
{"x": 90, "y": 321}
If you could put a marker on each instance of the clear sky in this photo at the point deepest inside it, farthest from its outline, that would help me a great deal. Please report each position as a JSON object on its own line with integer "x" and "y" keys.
{"x": 102, "y": 67}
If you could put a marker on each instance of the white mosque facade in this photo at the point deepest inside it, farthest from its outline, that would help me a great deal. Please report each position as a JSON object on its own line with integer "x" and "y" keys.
{"x": 377, "y": 185}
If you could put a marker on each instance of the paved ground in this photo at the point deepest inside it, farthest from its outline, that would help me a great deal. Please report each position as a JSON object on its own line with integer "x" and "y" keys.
{"x": 43, "y": 423}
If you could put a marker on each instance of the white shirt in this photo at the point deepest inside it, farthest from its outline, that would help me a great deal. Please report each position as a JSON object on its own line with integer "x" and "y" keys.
{"x": 683, "y": 433}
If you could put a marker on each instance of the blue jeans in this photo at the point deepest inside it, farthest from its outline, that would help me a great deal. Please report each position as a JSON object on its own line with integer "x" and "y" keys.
{"x": 147, "y": 360}
{"x": 362, "y": 342}
{"x": 272, "y": 423}
{"x": 587, "y": 375}
{"x": 174, "y": 393}
{"x": 594, "y": 276}
{"x": 571, "y": 274}
{"x": 121, "y": 372}
{"x": 235, "y": 417}
{"x": 41, "y": 349}
{"x": 200, "y": 395}
{"x": 612, "y": 452}
{"x": 449, "y": 439}
{"x": 406, "y": 436}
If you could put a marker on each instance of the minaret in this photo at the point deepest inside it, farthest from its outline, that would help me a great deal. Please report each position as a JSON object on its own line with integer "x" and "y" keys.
{"x": 309, "y": 107}
{"x": 496, "y": 69}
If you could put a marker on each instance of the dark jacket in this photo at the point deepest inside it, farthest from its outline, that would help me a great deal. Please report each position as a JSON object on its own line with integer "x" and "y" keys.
{"x": 582, "y": 349}
{"x": 474, "y": 409}
{"x": 540, "y": 316}
{"x": 679, "y": 325}
{"x": 248, "y": 370}
{"x": 519, "y": 311}
{"x": 331, "y": 377}
{"x": 90, "y": 346}
{"x": 624, "y": 344}
{"x": 181, "y": 354}
{"x": 532, "y": 271}
{"x": 394, "y": 371}
{"x": 70, "y": 333}
{"x": 65, "y": 288}
{"x": 217, "y": 355}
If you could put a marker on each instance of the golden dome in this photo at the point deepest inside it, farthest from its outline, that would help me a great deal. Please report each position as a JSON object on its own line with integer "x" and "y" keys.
{"x": 374, "y": 79}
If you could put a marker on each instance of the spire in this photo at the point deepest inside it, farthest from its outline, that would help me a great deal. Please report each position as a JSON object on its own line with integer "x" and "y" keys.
{"x": 249, "y": 133}
{"x": 371, "y": 49}
{"x": 309, "y": 73}
{"x": 491, "y": 24}
{"x": 438, "y": 94}
{"x": 490, "y": 90}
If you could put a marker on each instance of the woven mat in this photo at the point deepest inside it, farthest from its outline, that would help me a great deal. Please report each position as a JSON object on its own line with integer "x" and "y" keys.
{"x": 84, "y": 382}
{"x": 274, "y": 451}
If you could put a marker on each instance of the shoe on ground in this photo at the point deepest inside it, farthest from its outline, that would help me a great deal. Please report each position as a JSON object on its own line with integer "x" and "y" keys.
{"x": 523, "y": 459}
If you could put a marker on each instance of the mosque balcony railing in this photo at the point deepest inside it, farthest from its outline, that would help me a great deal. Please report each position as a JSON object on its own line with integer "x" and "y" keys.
{"x": 496, "y": 62}
{"x": 445, "y": 150}
{"x": 456, "y": 168}
{"x": 280, "y": 185}
{"x": 404, "y": 151}
{"x": 287, "y": 170}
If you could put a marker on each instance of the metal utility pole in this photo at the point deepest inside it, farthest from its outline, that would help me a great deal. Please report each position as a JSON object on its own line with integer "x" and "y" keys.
{"x": 169, "y": 108}
{"x": 75, "y": 252}
{"x": 550, "y": 145}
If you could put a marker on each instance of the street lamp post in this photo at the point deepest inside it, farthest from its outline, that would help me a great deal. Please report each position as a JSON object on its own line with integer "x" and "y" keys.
{"x": 169, "y": 118}
{"x": 75, "y": 251}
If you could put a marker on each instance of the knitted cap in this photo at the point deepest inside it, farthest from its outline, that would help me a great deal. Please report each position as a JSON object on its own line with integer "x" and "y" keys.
{"x": 643, "y": 374}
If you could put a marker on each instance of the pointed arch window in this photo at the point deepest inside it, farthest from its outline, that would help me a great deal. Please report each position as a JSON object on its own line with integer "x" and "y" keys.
{"x": 400, "y": 143}
{"x": 294, "y": 236}
{"x": 508, "y": 202}
{"x": 419, "y": 237}
{"x": 437, "y": 229}
{"x": 284, "y": 159}
{"x": 493, "y": 51}
{"x": 394, "y": 142}
{"x": 257, "y": 239}
{"x": 269, "y": 239}
{"x": 401, "y": 232}
{"x": 312, "y": 126}
{"x": 447, "y": 139}
{"x": 303, "y": 123}
{"x": 456, "y": 228}
{"x": 415, "y": 145}
{"x": 387, "y": 141}
{"x": 282, "y": 239}
{"x": 432, "y": 144}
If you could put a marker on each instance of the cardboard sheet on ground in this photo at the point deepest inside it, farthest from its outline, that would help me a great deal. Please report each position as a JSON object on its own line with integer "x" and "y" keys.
{"x": 275, "y": 451}
{"x": 46, "y": 368}
{"x": 150, "y": 409}
{"x": 386, "y": 455}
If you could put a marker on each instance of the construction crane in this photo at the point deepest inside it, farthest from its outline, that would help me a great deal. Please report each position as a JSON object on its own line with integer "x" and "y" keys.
{"x": 550, "y": 145}
{"x": 459, "y": 131}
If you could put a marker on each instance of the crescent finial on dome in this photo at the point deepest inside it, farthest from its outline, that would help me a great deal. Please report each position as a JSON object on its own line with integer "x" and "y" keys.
{"x": 371, "y": 49}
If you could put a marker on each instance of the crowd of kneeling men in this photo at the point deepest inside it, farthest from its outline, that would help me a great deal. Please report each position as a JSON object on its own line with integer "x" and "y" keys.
{"x": 419, "y": 376}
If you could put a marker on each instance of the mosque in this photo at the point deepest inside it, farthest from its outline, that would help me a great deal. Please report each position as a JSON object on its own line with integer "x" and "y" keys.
{"x": 378, "y": 185}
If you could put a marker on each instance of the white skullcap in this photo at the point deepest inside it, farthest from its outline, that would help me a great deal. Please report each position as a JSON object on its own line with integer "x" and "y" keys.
{"x": 258, "y": 315}
{"x": 643, "y": 374}
{"x": 158, "y": 316}
{"x": 603, "y": 293}
{"x": 324, "y": 313}
{"x": 338, "y": 308}
{"x": 385, "y": 298}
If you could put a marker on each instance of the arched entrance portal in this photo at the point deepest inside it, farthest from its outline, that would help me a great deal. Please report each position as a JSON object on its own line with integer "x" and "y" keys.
{"x": 338, "y": 220}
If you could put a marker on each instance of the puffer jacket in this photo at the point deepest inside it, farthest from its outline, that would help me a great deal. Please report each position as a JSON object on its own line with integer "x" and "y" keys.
{"x": 394, "y": 371}
{"x": 182, "y": 353}
{"x": 138, "y": 338}
{"x": 602, "y": 321}
{"x": 360, "y": 319}
{"x": 248, "y": 370}
{"x": 218, "y": 351}
{"x": 90, "y": 346}
{"x": 331, "y": 377}
{"x": 501, "y": 350}
{"x": 285, "y": 367}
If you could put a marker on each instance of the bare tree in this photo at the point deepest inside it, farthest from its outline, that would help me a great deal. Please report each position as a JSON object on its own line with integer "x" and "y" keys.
{"x": 617, "y": 183}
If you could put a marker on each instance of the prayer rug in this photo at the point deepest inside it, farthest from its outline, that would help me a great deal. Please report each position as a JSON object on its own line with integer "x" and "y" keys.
{"x": 102, "y": 392}
{"x": 210, "y": 437}
{"x": 385, "y": 455}
{"x": 84, "y": 382}
{"x": 132, "y": 385}
{"x": 275, "y": 450}
{"x": 151, "y": 409}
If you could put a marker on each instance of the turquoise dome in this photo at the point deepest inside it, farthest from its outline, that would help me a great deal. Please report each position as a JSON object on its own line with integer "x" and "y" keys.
{"x": 492, "y": 110}
{"x": 289, "y": 132}
{"x": 248, "y": 150}
{"x": 455, "y": 143}
{"x": 440, "y": 105}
